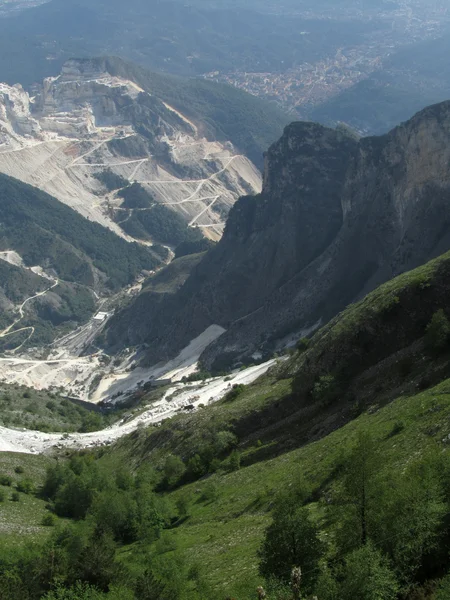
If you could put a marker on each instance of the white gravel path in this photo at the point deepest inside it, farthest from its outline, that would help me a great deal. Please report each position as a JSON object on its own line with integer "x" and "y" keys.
{"x": 177, "y": 397}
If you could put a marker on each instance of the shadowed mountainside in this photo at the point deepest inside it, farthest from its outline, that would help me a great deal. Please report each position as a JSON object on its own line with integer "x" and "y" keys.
{"x": 336, "y": 218}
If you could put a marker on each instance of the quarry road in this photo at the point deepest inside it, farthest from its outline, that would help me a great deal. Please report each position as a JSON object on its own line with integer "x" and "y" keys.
{"x": 119, "y": 164}
{"x": 204, "y": 211}
{"x": 201, "y": 182}
{"x": 192, "y": 198}
{"x": 91, "y": 151}
{"x": 8, "y": 331}
{"x": 179, "y": 397}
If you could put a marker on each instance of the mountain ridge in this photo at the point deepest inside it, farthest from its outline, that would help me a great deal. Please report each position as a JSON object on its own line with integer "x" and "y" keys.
{"x": 390, "y": 195}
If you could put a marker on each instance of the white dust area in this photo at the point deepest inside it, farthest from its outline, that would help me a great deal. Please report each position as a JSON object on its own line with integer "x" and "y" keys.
{"x": 11, "y": 257}
{"x": 183, "y": 365}
{"x": 73, "y": 374}
{"x": 174, "y": 400}
{"x": 65, "y": 368}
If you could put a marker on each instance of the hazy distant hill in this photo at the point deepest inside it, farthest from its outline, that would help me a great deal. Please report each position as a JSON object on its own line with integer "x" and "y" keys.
{"x": 168, "y": 35}
{"x": 412, "y": 78}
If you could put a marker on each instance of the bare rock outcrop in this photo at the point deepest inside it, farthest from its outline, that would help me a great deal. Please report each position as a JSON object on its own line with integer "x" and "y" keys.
{"x": 337, "y": 216}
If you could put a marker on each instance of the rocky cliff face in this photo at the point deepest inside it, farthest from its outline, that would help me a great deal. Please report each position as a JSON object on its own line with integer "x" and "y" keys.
{"x": 336, "y": 217}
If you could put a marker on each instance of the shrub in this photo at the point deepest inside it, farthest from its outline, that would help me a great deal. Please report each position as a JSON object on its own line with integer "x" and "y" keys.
{"x": 195, "y": 467}
{"x": 19, "y": 470}
{"x": 437, "y": 332}
{"x": 199, "y": 376}
{"x": 397, "y": 428}
{"x": 173, "y": 469}
{"x": 183, "y": 503}
{"x": 15, "y": 497}
{"x": 6, "y": 480}
{"x": 325, "y": 389}
{"x": 235, "y": 461}
{"x": 111, "y": 180}
{"x": 443, "y": 590}
{"x": 303, "y": 344}
{"x": 25, "y": 486}
{"x": 235, "y": 392}
{"x": 48, "y": 520}
{"x": 210, "y": 492}
{"x": 368, "y": 576}
{"x": 2, "y": 496}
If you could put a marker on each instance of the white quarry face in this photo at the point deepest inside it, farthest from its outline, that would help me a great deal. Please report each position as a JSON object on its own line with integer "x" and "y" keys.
{"x": 60, "y": 139}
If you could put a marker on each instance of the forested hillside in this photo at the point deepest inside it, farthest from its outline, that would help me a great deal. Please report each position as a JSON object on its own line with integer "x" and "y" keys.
{"x": 79, "y": 258}
{"x": 41, "y": 229}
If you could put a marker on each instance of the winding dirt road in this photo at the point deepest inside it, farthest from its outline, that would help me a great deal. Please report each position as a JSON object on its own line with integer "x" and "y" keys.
{"x": 8, "y": 331}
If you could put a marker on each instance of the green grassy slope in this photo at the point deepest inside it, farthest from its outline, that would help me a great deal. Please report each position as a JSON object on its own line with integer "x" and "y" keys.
{"x": 378, "y": 360}
{"x": 22, "y": 407}
{"x": 21, "y": 522}
{"x": 301, "y": 422}
{"x": 225, "y": 534}
{"x": 225, "y": 526}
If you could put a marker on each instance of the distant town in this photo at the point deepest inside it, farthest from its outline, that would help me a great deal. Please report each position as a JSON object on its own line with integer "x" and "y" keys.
{"x": 309, "y": 84}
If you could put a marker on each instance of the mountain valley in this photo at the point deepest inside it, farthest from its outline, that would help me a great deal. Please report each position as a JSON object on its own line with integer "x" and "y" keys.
{"x": 224, "y": 334}
{"x": 143, "y": 180}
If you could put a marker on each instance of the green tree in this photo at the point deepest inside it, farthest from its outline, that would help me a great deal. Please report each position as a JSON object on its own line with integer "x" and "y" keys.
{"x": 173, "y": 469}
{"x": 235, "y": 461}
{"x": 437, "y": 332}
{"x": 149, "y": 587}
{"x": 368, "y": 576}
{"x": 327, "y": 588}
{"x": 124, "y": 479}
{"x": 443, "y": 590}
{"x": 154, "y": 513}
{"x": 117, "y": 511}
{"x": 410, "y": 521}
{"x": 182, "y": 503}
{"x": 195, "y": 467}
{"x": 11, "y": 585}
{"x": 26, "y": 486}
{"x": 210, "y": 492}
{"x": 74, "y": 498}
{"x": 292, "y": 540}
{"x": 80, "y": 591}
{"x": 96, "y": 564}
{"x": 359, "y": 494}
{"x": 325, "y": 389}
